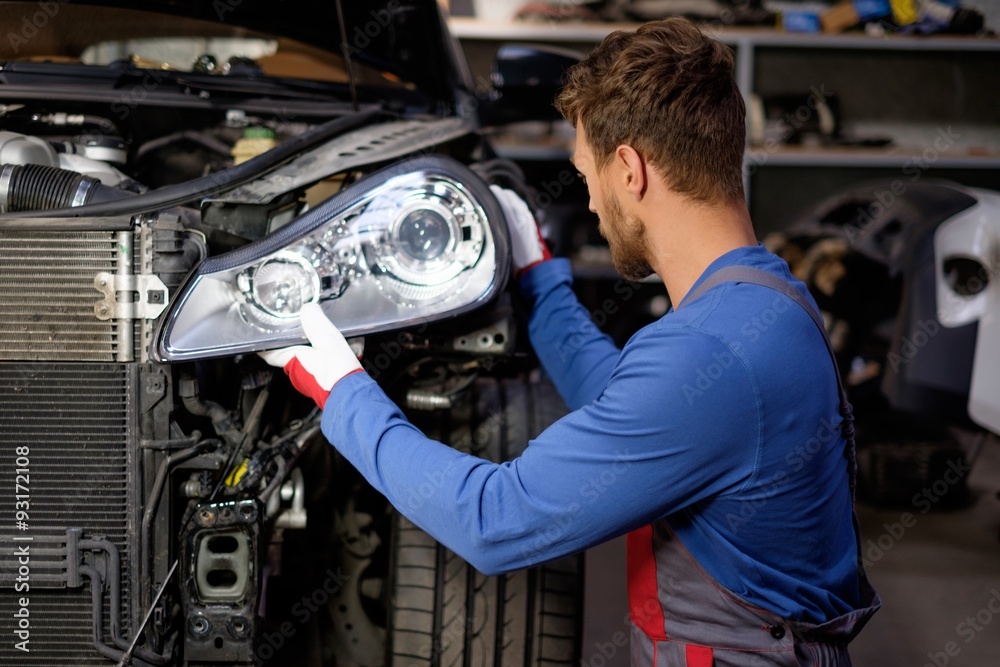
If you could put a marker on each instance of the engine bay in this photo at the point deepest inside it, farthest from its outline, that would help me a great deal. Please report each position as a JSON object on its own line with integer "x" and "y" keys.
{"x": 226, "y": 485}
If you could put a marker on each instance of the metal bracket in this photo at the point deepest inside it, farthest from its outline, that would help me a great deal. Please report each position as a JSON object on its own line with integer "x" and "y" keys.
{"x": 150, "y": 295}
{"x": 293, "y": 490}
{"x": 497, "y": 338}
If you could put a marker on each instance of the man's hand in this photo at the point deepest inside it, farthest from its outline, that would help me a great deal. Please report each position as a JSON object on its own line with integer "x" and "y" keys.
{"x": 526, "y": 242}
{"x": 315, "y": 368}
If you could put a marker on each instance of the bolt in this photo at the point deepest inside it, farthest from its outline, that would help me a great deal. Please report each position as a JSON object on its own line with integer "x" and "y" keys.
{"x": 191, "y": 488}
{"x": 206, "y": 517}
{"x": 199, "y": 626}
{"x": 238, "y": 627}
{"x": 248, "y": 512}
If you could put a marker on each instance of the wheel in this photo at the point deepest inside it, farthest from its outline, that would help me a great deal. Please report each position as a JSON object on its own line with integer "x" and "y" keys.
{"x": 443, "y": 611}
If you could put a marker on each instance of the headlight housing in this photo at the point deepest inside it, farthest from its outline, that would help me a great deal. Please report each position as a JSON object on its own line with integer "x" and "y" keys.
{"x": 419, "y": 241}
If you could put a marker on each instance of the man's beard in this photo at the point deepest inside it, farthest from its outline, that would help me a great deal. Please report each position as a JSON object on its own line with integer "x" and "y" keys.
{"x": 627, "y": 240}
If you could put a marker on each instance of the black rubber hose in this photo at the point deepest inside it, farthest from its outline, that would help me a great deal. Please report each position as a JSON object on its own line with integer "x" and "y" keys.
{"x": 35, "y": 187}
{"x": 97, "y": 615}
{"x": 211, "y": 143}
{"x": 221, "y": 418}
{"x": 153, "y": 502}
{"x": 107, "y": 126}
{"x": 227, "y": 179}
{"x": 115, "y": 594}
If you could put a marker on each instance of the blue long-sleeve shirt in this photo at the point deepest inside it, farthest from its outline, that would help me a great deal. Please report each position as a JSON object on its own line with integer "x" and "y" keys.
{"x": 720, "y": 417}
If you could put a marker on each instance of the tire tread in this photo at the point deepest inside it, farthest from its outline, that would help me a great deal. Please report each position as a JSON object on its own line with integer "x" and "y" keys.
{"x": 445, "y": 613}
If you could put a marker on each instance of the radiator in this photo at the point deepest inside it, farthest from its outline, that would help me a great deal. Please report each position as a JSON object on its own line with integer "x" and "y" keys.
{"x": 47, "y": 296}
{"x": 64, "y": 398}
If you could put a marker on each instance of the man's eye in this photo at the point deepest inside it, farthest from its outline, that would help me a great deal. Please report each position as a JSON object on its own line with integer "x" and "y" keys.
{"x": 581, "y": 177}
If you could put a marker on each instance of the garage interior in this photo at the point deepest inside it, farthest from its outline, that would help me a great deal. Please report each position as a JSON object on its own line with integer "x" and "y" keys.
{"x": 893, "y": 96}
{"x": 188, "y": 508}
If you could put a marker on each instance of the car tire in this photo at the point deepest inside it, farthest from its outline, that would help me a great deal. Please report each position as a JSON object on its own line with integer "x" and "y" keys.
{"x": 443, "y": 611}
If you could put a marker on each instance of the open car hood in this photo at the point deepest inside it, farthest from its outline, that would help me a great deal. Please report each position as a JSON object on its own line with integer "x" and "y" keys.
{"x": 407, "y": 38}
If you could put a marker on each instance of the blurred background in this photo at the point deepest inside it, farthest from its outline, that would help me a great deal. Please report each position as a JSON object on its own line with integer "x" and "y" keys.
{"x": 872, "y": 167}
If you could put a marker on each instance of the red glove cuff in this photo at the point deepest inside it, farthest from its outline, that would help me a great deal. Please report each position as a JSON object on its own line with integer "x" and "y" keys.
{"x": 546, "y": 255}
{"x": 305, "y": 383}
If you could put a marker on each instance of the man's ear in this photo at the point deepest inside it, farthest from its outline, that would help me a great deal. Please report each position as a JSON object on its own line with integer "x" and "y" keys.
{"x": 633, "y": 171}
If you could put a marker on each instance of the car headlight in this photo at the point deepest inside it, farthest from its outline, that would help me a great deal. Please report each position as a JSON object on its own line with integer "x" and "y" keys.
{"x": 419, "y": 241}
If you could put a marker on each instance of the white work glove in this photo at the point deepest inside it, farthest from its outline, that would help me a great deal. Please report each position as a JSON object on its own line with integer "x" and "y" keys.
{"x": 314, "y": 369}
{"x": 526, "y": 242}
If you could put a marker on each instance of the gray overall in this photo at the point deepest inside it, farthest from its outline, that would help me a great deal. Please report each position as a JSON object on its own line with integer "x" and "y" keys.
{"x": 682, "y": 617}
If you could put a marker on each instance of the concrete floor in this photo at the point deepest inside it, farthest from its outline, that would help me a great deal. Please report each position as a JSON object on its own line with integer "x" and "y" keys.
{"x": 938, "y": 577}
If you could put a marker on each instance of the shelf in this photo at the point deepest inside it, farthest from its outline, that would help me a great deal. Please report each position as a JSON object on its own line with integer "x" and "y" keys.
{"x": 894, "y": 157}
{"x": 471, "y": 29}
{"x": 794, "y": 156}
{"x": 901, "y": 87}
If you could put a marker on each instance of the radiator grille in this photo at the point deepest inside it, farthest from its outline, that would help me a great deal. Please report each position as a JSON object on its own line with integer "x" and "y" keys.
{"x": 47, "y": 296}
{"x": 74, "y": 418}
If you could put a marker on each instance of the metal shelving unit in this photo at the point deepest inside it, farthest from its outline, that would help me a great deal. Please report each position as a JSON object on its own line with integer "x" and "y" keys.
{"x": 470, "y": 28}
{"x": 900, "y": 157}
{"x": 913, "y": 83}
{"x": 744, "y": 39}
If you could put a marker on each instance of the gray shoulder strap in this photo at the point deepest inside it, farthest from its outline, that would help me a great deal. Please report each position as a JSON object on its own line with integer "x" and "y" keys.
{"x": 751, "y": 274}
{"x": 755, "y": 276}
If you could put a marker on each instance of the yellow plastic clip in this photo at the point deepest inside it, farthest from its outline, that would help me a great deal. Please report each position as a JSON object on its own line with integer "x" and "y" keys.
{"x": 237, "y": 474}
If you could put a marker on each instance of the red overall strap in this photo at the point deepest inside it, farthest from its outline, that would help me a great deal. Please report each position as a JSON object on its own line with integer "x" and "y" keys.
{"x": 698, "y": 656}
{"x": 644, "y": 605}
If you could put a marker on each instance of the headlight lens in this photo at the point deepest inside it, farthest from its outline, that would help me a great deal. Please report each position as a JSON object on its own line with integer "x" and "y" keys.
{"x": 280, "y": 286}
{"x": 424, "y": 235}
{"x": 418, "y": 241}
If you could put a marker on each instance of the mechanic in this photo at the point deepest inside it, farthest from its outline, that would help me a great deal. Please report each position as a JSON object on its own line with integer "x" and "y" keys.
{"x": 717, "y": 436}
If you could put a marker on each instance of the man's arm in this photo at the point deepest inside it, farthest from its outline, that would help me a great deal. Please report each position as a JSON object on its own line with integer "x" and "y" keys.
{"x": 639, "y": 452}
{"x": 576, "y": 354}
{"x": 573, "y": 350}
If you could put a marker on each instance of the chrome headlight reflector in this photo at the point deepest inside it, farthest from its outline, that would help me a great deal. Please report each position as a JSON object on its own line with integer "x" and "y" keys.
{"x": 421, "y": 240}
{"x": 279, "y": 286}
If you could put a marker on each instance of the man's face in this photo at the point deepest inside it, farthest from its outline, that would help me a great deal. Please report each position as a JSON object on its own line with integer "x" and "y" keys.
{"x": 626, "y": 235}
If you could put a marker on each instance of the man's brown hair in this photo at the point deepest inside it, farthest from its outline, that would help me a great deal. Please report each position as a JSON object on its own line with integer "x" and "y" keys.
{"x": 668, "y": 91}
